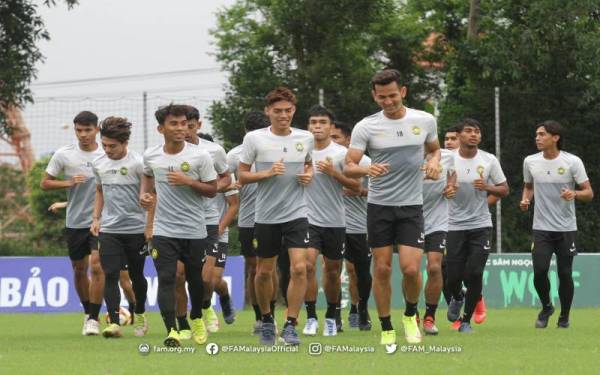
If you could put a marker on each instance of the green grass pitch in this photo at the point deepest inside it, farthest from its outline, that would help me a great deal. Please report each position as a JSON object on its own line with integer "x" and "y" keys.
{"x": 505, "y": 343}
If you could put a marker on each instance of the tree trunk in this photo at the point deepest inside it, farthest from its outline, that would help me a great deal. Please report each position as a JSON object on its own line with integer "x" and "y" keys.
{"x": 474, "y": 13}
{"x": 18, "y": 135}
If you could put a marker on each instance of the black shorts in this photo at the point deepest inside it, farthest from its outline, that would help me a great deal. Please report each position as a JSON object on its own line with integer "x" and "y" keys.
{"x": 212, "y": 241}
{"x": 331, "y": 242}
{"x": 435, "y": 242}
{"x": 80, "y": 242}
{"x": 390, "y": 225}
{"x": 126, "y": 246}
{"x": 357, "y": 248}
{"x": 559, "y": 243}
{"x": 275, "y": 238}
{"x": 223, "y": 248}
{"x": 166, "y": 251}
{"x": 461, "y": 244}
{"x": 247, "y": 241}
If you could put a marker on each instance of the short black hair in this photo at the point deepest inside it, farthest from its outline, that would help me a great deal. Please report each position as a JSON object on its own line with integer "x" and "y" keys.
{"x": 206, "y": 136}
{"x": 255, "y": 120}
{"x": 86, "y": 118}
{"x": 554, "y": 128}
{"x": 452, "y": 129}
{"x": 467, "y": 123}
{"x": 319, "y": 110}
{"x": 172, "y": 110}
{"x": 385, "y": 77}
{"x": 193, "y": 113}
{"x": 344, "y": 127}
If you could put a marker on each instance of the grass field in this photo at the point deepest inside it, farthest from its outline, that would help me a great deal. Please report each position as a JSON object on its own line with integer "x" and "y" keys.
{"x": 505, "y": 343}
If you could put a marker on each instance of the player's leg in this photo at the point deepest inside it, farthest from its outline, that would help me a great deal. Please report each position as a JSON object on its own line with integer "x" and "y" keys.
{"x": 353, "y": 289}
{"x": 181, "y": 303}
{"x": 334, "y": 243}
{"x": 165, "y": 253}
{"x": 479, "y": 244}
{"x": 212, "y": 252}
{"x": 435, "y": 245}
{"x": 456, "y": 258}
{"x": 310, "y": 298}
{"x": 79, "y": 251}
{"x": 283, "y": 265}
{"x": 96, "y": 279}
{"x": 269, "y": 245}
{"x": 248, "y": 249}
{"x": 111, "y": 255}
{"x": 541, "y": 255}
{"x": 125, "y": 283}
{"x": 565, "y": 251}
{"x": 361, "y": 256}
{"x": 135, "y": 264}
{"x": 220, "y": 285}
{"x": 193, "y": 257}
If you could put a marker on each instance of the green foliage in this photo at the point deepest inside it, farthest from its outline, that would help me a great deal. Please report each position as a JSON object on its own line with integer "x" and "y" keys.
{"x": 21, "y": 28}
{"x": 48, "y": 226}
{"x": 12, "y": 200}
{"x": 310, "y": 45}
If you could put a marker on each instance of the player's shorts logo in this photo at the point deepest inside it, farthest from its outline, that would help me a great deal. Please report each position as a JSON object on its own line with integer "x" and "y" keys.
{"x": 480, "y": 169}
{"x": 299, "y": 147}
{"x": 416, "y": 130}
{"x": 154, "y": 253}
{"x": 255, "y": 243}
{"x": 185, "y": 166}
{"x": 561, "y": 170}
{"x": 123, "y": 171}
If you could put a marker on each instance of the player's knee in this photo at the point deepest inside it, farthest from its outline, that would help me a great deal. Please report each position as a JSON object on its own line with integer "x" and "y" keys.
{"x": 383, "y": 271}
{"x": 263, "y": 274}
{"x": 166, "y": 278}
{"x": 298, "y": 270}
{"x": 332, "y": 273}
{"x": 97, "y": 271}
{"x": 434, "y": 270}
{"x": 180, "y": 278}
{"x": 411, "y": 271}
{"x": 310, "y": 269}
{"x": 565, "y": 273}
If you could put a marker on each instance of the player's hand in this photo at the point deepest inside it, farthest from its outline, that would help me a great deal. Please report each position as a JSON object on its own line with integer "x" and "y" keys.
{"x": 278, "y": 168}
{"x": 431, "y": 169}
{"x": 480, "y": 184}
{"x": 95, "y": 228}
{"x": 524, "y": 204}
{"x": 376, "y": 170}
{"x": 326, "y": 166}
{"x": 351, "y": 193}
{"x": 148, "y": 234}
{"x": 54, "y": 207}
{"x": 238, "y": 185}
{"x": 221, "y": 230}
{"x": 146, "y": 200}
{"x": 304, "y": 178}
{"x": 179, "y": 178}
{"x": 450, "y": 191}
{"x": 568, "y": 194}
{"x": 77, "y": 179}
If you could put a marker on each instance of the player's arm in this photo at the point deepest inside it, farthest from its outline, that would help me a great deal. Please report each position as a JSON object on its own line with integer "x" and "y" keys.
{"x": 306, "y": 177}
{"x": 526, "y": 197}
{"x": 224, "y": 181}
{"x": 433, "y": 157}
{"x": 352, "y": 168}
{"x": 492, "y": 200}
{"x": 146, "y": 192}
{"x": 150, "y": 219}
{"x": 248, "y": 177}
{"x": 583, "y": 194}
{"x": 233, "y": 204}
{"x": 50, "y": 182}
{"x": 54, "y": 207}
{"x": 451, "y": 185}
{"x": 206, "y": 189}
{"x": 500, "y": 190}
{"x": 97, "y": 212}
{"x": 327, "y": 167}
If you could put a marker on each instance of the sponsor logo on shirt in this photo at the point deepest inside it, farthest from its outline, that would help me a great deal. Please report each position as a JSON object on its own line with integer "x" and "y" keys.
{"x": 124, "y": 171}
{"x": 185, "y": 166}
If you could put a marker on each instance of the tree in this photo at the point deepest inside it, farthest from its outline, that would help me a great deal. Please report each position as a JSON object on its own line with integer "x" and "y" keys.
{"x": 21, "y": 28}
{"x": 545, "y": 63}
{"x": 309, "y": 45}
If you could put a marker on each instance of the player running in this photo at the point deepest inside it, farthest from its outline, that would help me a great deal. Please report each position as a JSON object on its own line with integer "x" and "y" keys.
{"x": 119, "y": 221}
{"x": 75, "y": 161}
{"x": 182, "y": 174}
{"x": 281, "y": 156}
{"x": 551, "y": 176}
{"x": 478, "y": 173}
{"x": 396, "y": 139}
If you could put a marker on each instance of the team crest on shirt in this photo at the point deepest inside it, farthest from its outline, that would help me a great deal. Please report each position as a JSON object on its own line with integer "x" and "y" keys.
{"x": 185, "y": 166}
{"x": 154, "y": 253}
{"x": 124, "y": 171}
{"x": 561, "y": 170}
{"x": 299, "y": 147}
{"x": 480, "y": 169}
{"x": 416, "y": 130}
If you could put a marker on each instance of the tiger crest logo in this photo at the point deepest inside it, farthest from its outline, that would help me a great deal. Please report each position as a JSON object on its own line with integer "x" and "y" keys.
{"x": 416, "y": 130}
{"x": 561, "y": 170}
{"x": 299, "y": 147}
{"x": 185, "y": 166}
{"x": 124, "y": 171}
{"x": 480, "y": 169}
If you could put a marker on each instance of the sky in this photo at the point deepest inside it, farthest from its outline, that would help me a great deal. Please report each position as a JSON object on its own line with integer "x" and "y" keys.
{"x": 110, "y": 38}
